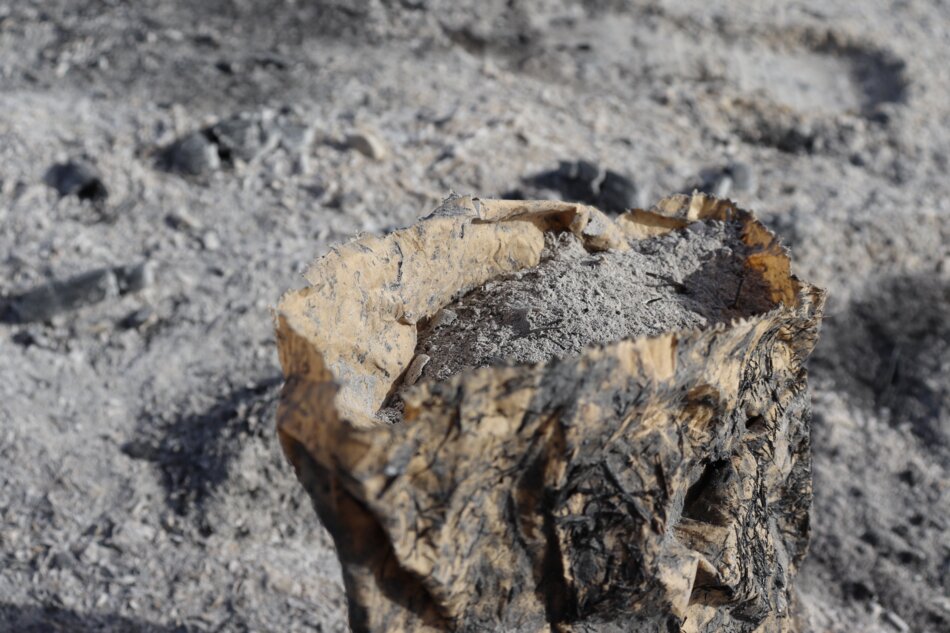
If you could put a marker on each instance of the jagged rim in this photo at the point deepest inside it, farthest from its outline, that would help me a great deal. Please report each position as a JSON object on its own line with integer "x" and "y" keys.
{"x": 770, "y": 259}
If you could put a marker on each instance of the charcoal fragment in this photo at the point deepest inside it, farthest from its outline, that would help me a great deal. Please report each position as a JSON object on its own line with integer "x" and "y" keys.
{"x": 722, "y": 180}
{"x": 237, "y": 137}
{"x": 56, "y": 297}
{"x": 192, "y": 155}
{"x": 76, "y": 178}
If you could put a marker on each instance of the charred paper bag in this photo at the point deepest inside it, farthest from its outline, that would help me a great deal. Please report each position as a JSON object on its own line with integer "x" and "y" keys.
{"x": 656, "y": 484}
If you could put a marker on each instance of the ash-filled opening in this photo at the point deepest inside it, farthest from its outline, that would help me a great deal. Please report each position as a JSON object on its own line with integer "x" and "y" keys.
{"x": 573, "y": 299}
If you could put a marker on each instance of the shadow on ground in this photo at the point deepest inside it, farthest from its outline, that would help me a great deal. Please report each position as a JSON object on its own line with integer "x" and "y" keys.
{"x": 887, "y": 350}
{"x": 49, "y": 619}
{"x": 195, "y": 452}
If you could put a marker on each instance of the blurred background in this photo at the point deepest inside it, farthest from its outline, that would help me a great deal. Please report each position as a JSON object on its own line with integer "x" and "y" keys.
{"x": 167, "y": 170}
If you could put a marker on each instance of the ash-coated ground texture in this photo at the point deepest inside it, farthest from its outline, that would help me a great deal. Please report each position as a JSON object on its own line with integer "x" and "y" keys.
{"x": 228, "y": 143}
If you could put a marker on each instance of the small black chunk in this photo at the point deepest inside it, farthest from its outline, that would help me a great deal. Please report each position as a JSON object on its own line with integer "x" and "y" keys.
{"x": 76, "y": 178}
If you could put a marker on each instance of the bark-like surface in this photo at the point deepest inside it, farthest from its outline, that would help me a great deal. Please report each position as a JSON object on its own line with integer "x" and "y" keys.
{"x": 653, "y": 484}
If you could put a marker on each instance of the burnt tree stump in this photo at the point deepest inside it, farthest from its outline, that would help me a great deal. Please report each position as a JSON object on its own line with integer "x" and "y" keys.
{"x": 654, "y": 484}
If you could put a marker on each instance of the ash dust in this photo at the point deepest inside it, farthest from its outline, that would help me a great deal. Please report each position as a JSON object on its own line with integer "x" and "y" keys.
{"x": 685, "y": 280}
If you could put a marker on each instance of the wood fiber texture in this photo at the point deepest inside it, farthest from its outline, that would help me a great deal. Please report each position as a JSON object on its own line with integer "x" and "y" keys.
{"x": 657, "y": 484}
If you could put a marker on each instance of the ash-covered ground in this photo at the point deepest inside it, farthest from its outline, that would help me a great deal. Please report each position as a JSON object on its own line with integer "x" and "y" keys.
{"x": 226, "y": 143}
